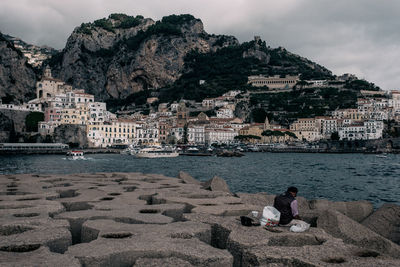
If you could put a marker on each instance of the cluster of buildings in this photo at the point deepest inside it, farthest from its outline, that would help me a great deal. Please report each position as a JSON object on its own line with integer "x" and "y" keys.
{"x": 362, "y": 123}
{"x": 172, "y": 123}
{"x": 35, "y": 55}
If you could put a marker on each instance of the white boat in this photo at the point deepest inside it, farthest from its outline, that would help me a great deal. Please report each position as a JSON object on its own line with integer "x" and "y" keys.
{"x": 75, "y": 155}
{"x": 131, "y": 150}
{"x": 157, "y": 152}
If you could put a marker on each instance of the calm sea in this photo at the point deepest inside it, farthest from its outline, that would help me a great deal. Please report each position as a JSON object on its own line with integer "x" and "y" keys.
{"x": 339, "y": 177}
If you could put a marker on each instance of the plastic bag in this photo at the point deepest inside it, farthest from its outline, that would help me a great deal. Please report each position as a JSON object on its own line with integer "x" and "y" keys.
{"x": 270, "y": 216}
{"x": 299, "y": 227}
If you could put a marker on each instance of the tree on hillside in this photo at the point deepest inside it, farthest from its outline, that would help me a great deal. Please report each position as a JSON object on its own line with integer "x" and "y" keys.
{"x": 32, "y": 121}
{"x": 258, "y": 115}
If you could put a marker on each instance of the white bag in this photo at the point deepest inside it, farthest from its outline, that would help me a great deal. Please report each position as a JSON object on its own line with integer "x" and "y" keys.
{"x": 299, "y": 227}
{"x": 270, "y": 216}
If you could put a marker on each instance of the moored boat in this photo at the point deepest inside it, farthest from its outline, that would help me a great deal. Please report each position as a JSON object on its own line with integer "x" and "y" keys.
{"x": 157, "y": 152}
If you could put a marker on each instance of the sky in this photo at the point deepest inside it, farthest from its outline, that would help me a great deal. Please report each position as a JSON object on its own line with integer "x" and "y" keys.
{"x": 346, "y": 36}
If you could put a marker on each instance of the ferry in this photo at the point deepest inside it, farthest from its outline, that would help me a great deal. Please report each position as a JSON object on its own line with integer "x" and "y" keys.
{"x": 75, "y": 155}
{"x": 157, "y": 152}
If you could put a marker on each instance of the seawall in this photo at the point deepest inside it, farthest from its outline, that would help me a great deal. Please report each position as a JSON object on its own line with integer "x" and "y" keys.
{"x": 136, "y": 219}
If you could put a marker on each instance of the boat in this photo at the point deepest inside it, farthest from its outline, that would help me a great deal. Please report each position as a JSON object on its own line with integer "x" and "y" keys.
{"x": 131, "y": 150}
{"x": 383, "y": 155}
{"x": 194, "y": 151}
{"x": 75, "y": 155}
{"x": 157, "y": 152}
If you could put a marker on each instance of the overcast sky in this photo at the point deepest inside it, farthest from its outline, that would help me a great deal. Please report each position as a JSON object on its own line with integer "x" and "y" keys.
{"x": 346, "y": 36}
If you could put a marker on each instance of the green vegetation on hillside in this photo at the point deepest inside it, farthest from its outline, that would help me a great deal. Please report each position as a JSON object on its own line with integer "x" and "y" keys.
{"x": 223, "y": 70}
{"x": 32, "y": 120}
{"x": 288, "y": 106}
{"x": 168, "y": 26}
{"x": 122, "y": 21}
{"x": 361, "y": 85}
{"x": 227, "y": 69}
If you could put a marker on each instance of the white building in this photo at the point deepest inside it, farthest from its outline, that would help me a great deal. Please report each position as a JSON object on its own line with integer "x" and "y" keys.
{"x": 147, "y": 133}
{"x": 97, "y": 112}
{"x": 220, "y": 135}
{"x": 367, "y": 130}
{"x": 329, "y": 126}
{"x": 24, "y": 107}
{"x": 208, "y": 103}
{"x": 225, "y": 113}
{"x": 196, "y": 134}
{"x": 178, "y": 133}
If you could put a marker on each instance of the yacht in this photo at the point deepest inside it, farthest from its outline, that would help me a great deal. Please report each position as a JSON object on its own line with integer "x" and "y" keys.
{"x": 75, "y": 155}
{"x": 157, "y": 152}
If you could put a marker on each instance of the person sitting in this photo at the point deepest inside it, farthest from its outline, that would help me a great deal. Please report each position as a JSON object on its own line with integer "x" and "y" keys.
{"x": 286, "y": 204}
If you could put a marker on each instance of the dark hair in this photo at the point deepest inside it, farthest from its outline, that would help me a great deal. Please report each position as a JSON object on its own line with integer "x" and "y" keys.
{"x": 292, "y": 189}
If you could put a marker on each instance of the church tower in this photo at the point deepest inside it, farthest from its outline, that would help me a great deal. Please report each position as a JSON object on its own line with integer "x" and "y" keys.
{"x": 182, "y": 114}
{"x": 267, "y": 125}
{"x": 47, "y": 73}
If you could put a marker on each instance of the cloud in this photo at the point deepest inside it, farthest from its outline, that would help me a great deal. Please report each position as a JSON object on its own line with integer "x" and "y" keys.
{"x": 358, "y": 36}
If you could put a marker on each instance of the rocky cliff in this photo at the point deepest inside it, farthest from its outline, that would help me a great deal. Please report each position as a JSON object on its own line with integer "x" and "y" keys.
{"x": 17, "y": 78}
{"x": 74, "y": 135}
{"x": 121, "y": 55}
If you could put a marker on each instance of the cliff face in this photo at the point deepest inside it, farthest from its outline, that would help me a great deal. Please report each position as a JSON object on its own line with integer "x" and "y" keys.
{"x": 17, "y": 78}
{"x": 74, "y": 135}
{"x": 114, "y": 61}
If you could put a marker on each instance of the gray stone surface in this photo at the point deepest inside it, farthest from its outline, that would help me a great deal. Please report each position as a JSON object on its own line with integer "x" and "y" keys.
{"x": 351, "y": 232}
{"x": 216, "y": 184}
{"x": 356, "y": 210}
{"x": 136, "y": 219}
{"x": 38, "y": 256}
{"x": 156, "y": 262}
{"x": 386, "y": 222}
{"x": 187, "y": 179}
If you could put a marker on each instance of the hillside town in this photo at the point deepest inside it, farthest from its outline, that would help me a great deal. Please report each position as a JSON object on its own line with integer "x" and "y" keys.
{"x": 171, "y": 124}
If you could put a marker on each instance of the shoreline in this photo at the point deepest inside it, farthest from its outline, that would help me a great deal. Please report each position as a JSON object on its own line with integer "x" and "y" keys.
{"x": 281, "y": 150}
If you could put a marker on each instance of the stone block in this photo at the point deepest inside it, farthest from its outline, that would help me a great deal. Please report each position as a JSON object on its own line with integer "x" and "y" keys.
{"x": 187, "y": 179}
{"x": 217, "y": 184}
{"x": 32, "y": 256}
{"x": 386, "y": 222}
{"x": 356, "y": 210}
{"x": 341, "y": 226}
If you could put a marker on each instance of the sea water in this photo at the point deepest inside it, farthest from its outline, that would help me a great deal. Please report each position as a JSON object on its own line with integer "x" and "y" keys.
{"x": 338, "y": 177}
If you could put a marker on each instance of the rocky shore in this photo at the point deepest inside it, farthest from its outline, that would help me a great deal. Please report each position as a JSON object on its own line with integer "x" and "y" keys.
{"x": 136, "y": 219}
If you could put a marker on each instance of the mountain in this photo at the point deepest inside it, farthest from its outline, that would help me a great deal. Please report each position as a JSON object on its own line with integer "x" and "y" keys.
{"x": 122, "y": 55}
{"x": 36, "y": 55}
{"x": 124, "y": 60}
{"x": 118, "y": 56}
{"x": 17, "y": 77}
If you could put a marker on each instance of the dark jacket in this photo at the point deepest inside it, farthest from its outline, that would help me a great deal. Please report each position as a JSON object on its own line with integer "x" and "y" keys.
{"x": 282, "y": 203}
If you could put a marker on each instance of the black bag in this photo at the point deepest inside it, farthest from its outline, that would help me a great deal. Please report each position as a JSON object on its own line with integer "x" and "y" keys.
{"x": 246, "y": 221}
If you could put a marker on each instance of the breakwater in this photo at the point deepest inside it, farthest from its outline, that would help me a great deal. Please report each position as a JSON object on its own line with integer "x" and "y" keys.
{"x": 336, "y": 177}
{"x": 136, "y": 219}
